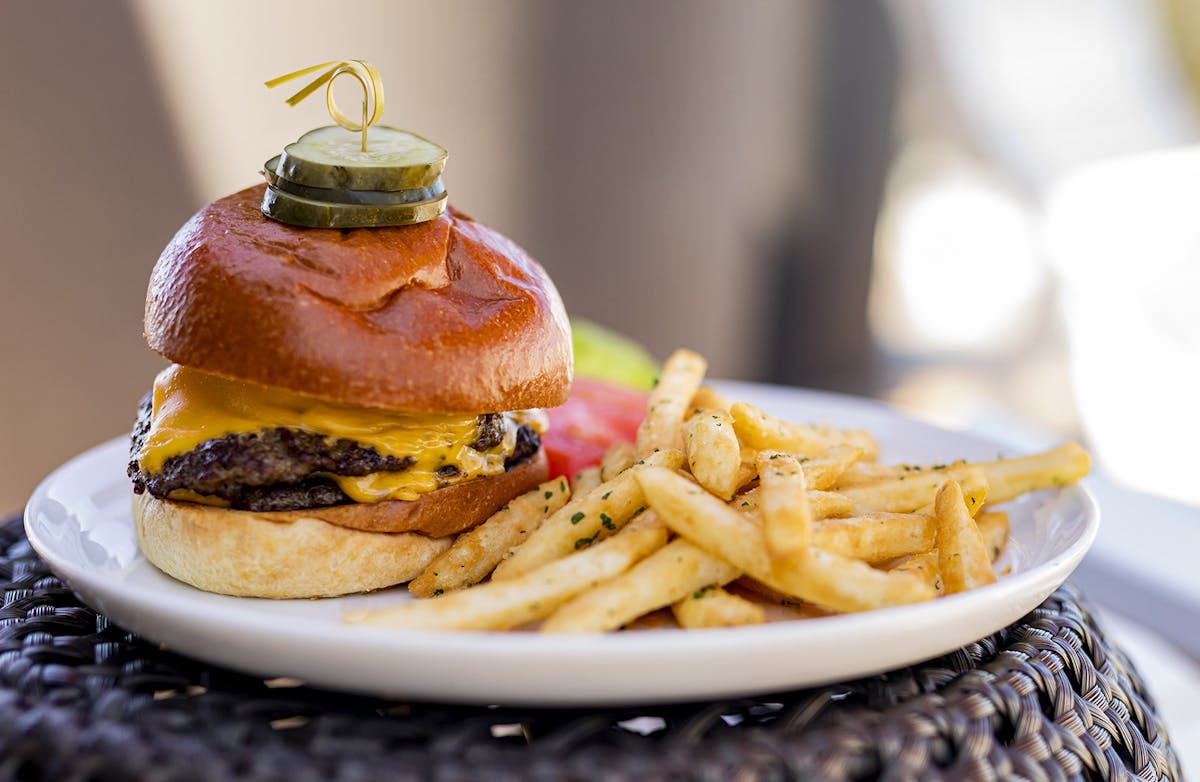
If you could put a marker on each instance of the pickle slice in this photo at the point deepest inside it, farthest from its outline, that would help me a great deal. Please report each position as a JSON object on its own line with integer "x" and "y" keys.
{"x": 296, "y": 210}
{"x": 332, "y": 158}
{"x": 340, "y": 196}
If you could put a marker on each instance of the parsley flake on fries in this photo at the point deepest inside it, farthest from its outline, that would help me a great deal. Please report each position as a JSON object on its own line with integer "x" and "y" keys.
{"x": 717, "y": 492}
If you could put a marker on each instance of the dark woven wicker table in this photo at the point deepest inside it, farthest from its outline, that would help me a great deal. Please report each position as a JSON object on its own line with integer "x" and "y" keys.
{"x": 82, "y": 700}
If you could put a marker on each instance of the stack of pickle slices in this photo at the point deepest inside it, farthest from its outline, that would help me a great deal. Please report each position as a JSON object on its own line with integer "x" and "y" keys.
{"x": 326, "y": 180}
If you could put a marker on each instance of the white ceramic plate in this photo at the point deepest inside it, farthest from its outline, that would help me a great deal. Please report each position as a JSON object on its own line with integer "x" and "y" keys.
{"x": 79, "y": 521}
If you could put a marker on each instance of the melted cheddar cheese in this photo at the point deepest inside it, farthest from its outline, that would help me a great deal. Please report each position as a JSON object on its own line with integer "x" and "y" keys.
{"x": 190, "y": 407}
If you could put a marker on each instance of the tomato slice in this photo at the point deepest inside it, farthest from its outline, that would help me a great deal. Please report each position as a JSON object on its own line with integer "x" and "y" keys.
{"x": 596, "y": 416}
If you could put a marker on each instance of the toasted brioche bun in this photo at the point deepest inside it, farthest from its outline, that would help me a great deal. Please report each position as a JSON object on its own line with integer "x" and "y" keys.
{"x": 298, "y": 554}
{"x": 446, "y": 316}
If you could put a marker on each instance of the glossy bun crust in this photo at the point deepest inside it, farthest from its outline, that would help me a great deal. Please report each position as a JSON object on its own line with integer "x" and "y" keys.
{"x": 443, "y": 316}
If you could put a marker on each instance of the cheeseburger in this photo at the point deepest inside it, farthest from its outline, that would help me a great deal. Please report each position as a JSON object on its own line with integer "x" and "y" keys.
{"x": 341, "y": 401}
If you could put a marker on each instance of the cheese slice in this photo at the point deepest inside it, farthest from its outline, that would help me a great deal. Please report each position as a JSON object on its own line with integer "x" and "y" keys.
{"x": 190, "y": 407}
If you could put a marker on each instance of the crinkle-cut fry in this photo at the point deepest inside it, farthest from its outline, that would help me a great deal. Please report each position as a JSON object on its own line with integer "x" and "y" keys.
{"x": 585, "y": 480}
{"x": 962, "y": 555}
{"x": 587, "y": 518}
{"x": 762, "y": 431}
{"x": 993, "y": 527}
{"x": 876, "y": 537}
{"x": 713, "y": 453}
{"x": 787, "y": 518}
{"x": 474, "y": 554}
{"x": 667, "y": 576}
{"x": 681, "y": 376}
{"x": 707, "y": 398}
{"x": 710, "y": 524}
{"x": 502, "y": 605}
{"x": 617, "y": 460}
{"x": 713, "y": 606}
{"x": 867, "y": 473}
{"x": 1010, "y": 478}
{"x": 911, "y": 492}
{"x": 924, "y": 566}
{"x": 822, "y": 504}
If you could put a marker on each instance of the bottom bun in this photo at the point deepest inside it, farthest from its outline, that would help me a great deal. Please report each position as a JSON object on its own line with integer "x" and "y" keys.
{"x": 239, "y": 553}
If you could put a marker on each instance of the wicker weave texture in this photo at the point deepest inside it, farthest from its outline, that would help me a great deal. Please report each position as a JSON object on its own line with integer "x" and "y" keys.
{"x": 83, "y": 701}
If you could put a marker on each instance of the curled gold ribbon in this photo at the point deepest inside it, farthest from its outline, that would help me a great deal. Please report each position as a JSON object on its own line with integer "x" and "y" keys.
{"x": 362, "y": 71}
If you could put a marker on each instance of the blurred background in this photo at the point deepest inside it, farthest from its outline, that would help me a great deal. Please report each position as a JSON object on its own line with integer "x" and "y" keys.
{"x": 898, "y": 198}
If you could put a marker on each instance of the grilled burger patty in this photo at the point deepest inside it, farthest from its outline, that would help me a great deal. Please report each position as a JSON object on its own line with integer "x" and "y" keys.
{"x": 286, "y": 469}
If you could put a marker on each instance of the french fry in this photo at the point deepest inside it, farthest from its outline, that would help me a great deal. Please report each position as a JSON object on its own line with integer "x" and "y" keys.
{"x": 707, "y": 398}
{"x": 474, "y": 554}
{"x": 1007, "y": 478}
{"x": 828, "y": 504}
{"x": 867, "y": 473}
{"x": 706, "y": 521}
{"x": 974, "y": 494}
{"x": 825, "y": 469}
{"x": 713, "y": 453}
{"x": 668, "y": 575}
{"x": 822, "y": 504}
{"x": 823, "y": 578}
{"x": 585, "y": 480}
{"x": 765, "y": 432}
{"x": 962, "y": 555}
{"x": 617, "y": 460}
{"x": 910, "y": 492}
{"x": 787, "y": 518}
{"x": 585, "y": 519}
{"x": 747, "y": 472}
{"x": 847, "y": 585}
{"x": 662, "y": 427}
{"x": 820, "y": 472}
{"x": 1010, "y": 478}
{"x": 876, "y": 537}
{"x": 502, "y": 605}
{"x": 712, "y": 606}
{"x": 925, "y": 567}
{"x": 993, "y": 528}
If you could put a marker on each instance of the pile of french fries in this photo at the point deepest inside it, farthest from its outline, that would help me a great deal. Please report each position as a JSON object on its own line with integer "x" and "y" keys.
{"x": 722, "y": 513}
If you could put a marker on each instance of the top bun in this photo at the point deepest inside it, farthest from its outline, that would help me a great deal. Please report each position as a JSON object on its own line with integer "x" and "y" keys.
{"x": 446, "y": 316}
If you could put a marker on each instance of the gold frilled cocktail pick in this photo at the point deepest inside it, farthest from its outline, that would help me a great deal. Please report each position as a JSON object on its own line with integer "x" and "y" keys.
{"x": 361, "y": 70}
{"x": 330, "y": 178}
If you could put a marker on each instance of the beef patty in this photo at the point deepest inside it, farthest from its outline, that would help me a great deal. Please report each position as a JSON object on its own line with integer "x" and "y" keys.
{"x": 277, "y": 469}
